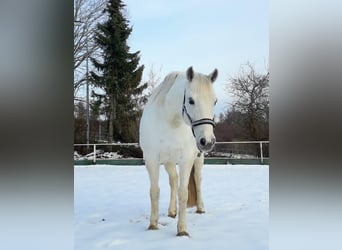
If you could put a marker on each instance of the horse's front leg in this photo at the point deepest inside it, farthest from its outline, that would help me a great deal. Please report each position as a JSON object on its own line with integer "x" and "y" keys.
{"x": 185, "y": 170}
{"x": 198, "y": 164}
{"x": 173, "y": 180}
{"x": 153, "y": 172}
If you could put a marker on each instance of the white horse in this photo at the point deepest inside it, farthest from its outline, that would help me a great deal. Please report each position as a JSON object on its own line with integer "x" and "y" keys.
{"x": 176, "y": 128}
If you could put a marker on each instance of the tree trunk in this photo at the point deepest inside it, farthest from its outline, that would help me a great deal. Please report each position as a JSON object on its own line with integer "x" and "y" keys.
{"x": 111, "y": 119}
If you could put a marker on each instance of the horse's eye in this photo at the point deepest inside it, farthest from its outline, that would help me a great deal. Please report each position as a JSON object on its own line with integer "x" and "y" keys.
{"x": 215, "y": 102}
{"x": 191, "y": 101}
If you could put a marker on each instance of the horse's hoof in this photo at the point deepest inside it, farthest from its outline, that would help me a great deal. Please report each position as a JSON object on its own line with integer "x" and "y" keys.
{"x": 200, "y": 211}
{"x": 172, "y": 215}
{"x": 184, "y": 233}
{"x": 152, "y": 227}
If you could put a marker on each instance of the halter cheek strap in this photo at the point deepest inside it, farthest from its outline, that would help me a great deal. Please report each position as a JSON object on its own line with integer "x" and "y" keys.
{"x": 197, "y": 122}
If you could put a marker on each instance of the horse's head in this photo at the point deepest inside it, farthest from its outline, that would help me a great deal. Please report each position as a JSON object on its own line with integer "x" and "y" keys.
{"x": 198, "y": 107}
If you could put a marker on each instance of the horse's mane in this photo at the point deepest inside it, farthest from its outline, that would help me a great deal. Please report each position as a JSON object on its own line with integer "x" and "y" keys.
{"x": 163, "y": 88}
{"x": 160, "y": 93}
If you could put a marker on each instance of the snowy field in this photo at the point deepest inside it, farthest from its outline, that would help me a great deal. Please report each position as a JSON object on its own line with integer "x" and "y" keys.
{"x": 112, "y": 208}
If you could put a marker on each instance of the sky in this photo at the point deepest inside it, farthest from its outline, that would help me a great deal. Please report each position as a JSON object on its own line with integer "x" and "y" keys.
{"x": 222, "y": 34}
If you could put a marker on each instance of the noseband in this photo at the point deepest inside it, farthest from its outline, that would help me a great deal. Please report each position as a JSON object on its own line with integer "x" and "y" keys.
{"x": 197, "y": 122}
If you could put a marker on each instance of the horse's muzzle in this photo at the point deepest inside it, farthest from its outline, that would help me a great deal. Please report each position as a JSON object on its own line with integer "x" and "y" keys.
{"x": 206, "y": 146}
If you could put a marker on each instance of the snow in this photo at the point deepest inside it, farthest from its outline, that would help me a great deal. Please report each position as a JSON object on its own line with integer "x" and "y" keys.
{"x": 100, "y": 154}
{"x": 112, "y": 208}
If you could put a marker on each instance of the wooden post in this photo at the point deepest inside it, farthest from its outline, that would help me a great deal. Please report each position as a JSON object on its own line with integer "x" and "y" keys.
{"x": 94, "y": 159}
{"x": 261, "y": 153}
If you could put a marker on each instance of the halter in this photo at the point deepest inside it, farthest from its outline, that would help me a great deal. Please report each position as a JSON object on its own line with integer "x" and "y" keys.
{"x": 197, "y": 122}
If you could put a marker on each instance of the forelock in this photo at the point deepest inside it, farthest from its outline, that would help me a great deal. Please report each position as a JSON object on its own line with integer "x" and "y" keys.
{"x": 201, "y": 85}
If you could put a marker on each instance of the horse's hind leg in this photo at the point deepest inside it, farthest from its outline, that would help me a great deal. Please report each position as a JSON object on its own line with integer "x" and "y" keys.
{"x": 173, "y": 180}
{"x": 153, "y": 172}
{"x": 198, "y": 164}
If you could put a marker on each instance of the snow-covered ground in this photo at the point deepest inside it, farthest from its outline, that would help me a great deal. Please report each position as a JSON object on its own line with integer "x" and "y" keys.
{"x": 112, "y": 208}
{"x": 100, "y": 154}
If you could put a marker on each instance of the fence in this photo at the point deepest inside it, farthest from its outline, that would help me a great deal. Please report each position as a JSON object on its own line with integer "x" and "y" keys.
{"x": 242, "y": 152}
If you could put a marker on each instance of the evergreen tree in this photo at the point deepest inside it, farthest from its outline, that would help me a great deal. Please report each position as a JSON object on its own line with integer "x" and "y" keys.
{"x": 79, "y": 122}
{"x": 119, "y": 75}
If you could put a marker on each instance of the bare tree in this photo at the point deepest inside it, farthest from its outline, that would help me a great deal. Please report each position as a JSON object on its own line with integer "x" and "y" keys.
{"x": 251, "y": 91}
{"x": 153, "y": 79}
{"x": 87, "y": 13}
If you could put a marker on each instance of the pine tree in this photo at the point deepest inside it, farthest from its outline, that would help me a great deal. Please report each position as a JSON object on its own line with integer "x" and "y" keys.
{"x": 119, "y": 75}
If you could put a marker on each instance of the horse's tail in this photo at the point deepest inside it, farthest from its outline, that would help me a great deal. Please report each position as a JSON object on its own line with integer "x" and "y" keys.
{"x": 192, "y": 189}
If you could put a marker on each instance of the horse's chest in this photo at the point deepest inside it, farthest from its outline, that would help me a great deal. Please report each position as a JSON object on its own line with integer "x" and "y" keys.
{"x": 175, "y": 148}
{"x": 170, "y": 154}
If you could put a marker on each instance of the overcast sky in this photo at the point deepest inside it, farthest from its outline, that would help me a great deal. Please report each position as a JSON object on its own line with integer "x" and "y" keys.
{"x": 205, "y": 34}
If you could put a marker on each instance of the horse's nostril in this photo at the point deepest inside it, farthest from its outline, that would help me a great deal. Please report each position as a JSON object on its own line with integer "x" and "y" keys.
{"x": 203, "y": 141}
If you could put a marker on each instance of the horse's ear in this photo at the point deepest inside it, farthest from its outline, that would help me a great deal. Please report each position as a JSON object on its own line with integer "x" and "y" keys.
{"x": 213, "y": 75}
{"x": 190, "y": 74}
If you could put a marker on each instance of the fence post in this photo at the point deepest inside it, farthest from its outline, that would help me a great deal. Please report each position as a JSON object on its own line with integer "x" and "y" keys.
{"x": 94, "y": 159}
{"x": 261, "y": 153}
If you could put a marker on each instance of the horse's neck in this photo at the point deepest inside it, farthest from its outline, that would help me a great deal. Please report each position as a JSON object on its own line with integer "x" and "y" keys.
{"x": 174, "y": 99}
